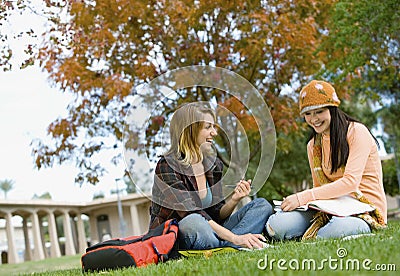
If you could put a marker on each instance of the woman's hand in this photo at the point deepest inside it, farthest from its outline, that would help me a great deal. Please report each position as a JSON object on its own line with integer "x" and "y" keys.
{"x": 246, "y": 240}
{"x": 242, "y": 190}
{"x": 290, "y": 203}
{"x": 249, "y": 240}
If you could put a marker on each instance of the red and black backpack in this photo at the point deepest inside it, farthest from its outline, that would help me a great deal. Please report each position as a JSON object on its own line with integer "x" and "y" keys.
{"x": 157, "y": 245}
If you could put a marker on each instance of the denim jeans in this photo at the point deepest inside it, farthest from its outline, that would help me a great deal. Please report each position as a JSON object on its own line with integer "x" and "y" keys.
{"x": 289, "y": 225}
{"x": 196, "y": 233}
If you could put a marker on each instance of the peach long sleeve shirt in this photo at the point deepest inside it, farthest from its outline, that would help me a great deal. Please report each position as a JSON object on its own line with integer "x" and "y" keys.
{"x": 363, "y": 171}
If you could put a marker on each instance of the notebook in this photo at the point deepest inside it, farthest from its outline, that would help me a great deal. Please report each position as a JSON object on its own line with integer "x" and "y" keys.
{"x": 342, "y": 206}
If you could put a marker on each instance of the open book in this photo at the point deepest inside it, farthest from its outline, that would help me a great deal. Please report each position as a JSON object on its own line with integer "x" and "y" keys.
{"x": 342, "y": 206}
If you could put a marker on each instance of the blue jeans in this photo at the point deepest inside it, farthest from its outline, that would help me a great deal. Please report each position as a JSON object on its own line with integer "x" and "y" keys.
{"x": 289, "y": 225}
{"x": 196, "y": 233}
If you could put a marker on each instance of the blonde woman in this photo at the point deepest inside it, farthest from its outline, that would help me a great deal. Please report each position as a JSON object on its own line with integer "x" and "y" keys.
{"x": 188, "y": 187}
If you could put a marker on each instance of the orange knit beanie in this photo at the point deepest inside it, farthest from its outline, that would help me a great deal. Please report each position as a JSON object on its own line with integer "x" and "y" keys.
{"x": 317, "y": 94}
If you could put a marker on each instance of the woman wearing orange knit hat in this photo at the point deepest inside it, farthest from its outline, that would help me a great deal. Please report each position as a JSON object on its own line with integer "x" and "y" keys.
{"x": 344, "y": 161}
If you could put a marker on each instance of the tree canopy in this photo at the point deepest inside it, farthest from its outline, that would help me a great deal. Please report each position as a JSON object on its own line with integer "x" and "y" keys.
{"x": 6, "y": 185}
{"x": 362, "y": 47}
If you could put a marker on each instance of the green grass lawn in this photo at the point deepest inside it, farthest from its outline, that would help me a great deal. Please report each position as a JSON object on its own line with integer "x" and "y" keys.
{"x": 366, "y": 255}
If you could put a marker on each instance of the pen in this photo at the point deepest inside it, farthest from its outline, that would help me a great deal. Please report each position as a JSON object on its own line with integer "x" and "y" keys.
{"x": 234, "y": 186}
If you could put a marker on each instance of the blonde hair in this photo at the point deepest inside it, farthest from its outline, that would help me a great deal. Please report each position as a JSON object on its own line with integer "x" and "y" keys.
{"x": 185, "y": 126}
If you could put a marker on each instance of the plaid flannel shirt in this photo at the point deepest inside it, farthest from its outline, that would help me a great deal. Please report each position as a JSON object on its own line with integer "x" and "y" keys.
{"x": 175, "y": 195}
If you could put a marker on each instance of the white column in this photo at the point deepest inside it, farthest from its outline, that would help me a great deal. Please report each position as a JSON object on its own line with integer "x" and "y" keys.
{"x": 69, "y": 241}
{"x": 28, "y": 250}
{"x": 93, "y": 230}
{"x": 81, "y": 234}
{"x": 37, "y": 240}
{"x": 135, "y": 221}
{"x": 43, "y": 239}
{"x": 12, "y": 252}
{"x": 55, "y": 246}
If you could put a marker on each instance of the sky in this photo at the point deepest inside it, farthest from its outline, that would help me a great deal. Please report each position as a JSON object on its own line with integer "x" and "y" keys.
{"x": 28, "y": 105}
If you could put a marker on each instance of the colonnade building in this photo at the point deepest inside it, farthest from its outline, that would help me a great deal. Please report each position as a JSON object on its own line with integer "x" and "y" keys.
{"x": 51, "y": 229}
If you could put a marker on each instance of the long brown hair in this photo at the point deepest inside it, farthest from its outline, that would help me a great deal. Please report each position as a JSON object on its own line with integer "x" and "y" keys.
{"x": 339, "y": 127}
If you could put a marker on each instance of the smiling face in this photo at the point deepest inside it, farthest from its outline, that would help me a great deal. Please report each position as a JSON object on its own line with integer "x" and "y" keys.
{"x": 319, "y": 119}
{"x": 207, "y": 132}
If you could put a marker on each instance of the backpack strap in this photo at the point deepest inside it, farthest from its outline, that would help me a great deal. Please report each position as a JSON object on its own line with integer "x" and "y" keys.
{"x": 162, "y": 229}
